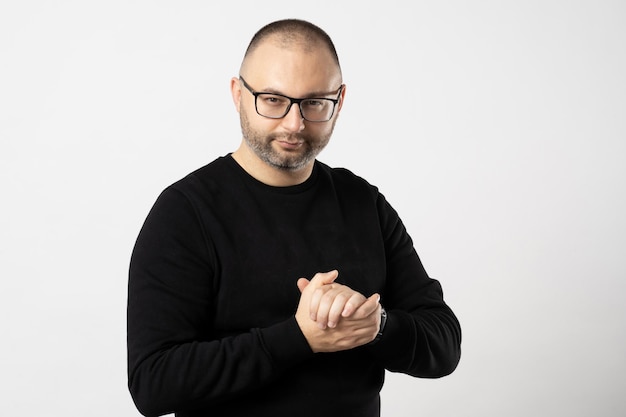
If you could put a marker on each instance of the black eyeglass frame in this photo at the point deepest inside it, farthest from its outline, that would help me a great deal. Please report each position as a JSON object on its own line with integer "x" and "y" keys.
{"x": 292, "y": 100}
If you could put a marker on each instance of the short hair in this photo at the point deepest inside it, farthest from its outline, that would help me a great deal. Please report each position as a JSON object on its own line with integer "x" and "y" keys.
{"x": 290, "y": 31}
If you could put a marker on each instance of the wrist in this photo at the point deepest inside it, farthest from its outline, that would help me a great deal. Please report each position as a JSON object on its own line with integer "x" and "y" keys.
{"x": 383, "y": 323}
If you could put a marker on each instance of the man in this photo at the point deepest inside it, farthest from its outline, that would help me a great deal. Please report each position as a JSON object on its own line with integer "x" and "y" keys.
{"x": 267, "y": 283}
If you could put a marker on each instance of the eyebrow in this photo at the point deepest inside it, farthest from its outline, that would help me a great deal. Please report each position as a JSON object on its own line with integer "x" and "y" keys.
{"x": 271, "y": 90}
{"x": 314, "y": 94}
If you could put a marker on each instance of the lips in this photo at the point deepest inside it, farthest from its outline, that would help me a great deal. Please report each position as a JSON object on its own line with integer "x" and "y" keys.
{"x": 289, "y": 145}
{"x": 290, "y": 142}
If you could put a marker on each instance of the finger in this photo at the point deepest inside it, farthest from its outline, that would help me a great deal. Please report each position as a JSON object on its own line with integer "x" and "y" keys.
{"x": 331, "y": 300}
{"x": 337, "y": 307}
{"x": 370, "y": 306}
{"x": 302, "y": 284}
{"x": 322, "y": 281}
{"x": 314, "y": 303}
{"x": 354, "y": 302}
{"x": 335, "y": 302}
{"x": 324, "y": 278}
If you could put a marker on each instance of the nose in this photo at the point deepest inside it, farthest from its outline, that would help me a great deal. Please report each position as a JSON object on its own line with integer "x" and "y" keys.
{"x": 293, "y": 120}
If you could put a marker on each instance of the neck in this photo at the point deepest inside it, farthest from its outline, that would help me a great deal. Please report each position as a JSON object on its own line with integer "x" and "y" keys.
{"x": 267, "y": 174}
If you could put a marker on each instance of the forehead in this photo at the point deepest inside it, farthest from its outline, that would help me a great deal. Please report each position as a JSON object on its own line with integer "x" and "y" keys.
{"x": 293, "y": 68}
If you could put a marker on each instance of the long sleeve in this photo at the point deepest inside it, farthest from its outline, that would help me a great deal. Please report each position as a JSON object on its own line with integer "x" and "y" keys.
{"x": 175, "y": 362}
{"x": 212, "y": 296}
{"x": 422, "y": 337}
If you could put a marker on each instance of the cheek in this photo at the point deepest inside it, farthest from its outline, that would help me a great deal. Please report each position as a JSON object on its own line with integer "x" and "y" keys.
{"x": 254, "y": 124}
{"x": 323, "y": 132}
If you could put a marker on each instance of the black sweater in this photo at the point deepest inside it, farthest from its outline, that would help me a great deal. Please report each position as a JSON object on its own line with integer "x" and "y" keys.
{"x": 212, "y": 297}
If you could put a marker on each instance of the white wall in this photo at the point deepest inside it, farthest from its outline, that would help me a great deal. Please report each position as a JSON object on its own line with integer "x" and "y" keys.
{"x": 496, "y": 128}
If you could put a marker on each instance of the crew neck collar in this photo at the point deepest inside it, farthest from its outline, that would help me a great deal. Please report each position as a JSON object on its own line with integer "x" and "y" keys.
{"x": 290, "y": 189}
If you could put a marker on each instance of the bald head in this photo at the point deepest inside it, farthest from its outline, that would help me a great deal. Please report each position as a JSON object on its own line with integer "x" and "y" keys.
{"x": 292, "y": 34}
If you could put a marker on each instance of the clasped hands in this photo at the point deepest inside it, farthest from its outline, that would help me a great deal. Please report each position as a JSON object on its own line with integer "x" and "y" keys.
{"x": 333, "y": 316}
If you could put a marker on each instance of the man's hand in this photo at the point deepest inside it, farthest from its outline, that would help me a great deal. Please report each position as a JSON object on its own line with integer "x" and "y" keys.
{"x": 334, "y": 317}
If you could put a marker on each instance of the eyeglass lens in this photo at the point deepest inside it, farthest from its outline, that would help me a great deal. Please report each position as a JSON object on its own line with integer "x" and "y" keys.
{"x": 313, "y": 110}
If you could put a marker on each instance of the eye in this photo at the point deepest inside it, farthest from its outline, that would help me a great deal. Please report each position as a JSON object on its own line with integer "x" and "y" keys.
{"x": 272, "y": 100}
{"x": 314, "y": 103}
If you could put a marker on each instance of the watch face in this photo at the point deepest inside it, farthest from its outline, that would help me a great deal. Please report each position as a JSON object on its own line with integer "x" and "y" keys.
{"x": 383, "y": 320}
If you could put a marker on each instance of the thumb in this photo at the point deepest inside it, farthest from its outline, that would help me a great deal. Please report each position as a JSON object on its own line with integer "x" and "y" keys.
{"x": 302, "y": 284}
{"x": 324, "y": 278}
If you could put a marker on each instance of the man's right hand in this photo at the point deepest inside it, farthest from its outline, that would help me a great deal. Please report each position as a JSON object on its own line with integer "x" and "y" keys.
{"x": 333, "y": 316}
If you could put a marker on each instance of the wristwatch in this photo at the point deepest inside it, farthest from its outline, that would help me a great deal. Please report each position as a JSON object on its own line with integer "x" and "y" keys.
{"x": 383, "y": 322}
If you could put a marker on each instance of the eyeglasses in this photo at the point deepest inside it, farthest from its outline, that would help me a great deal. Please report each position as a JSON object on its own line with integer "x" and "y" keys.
{"x": 276, "y": 106}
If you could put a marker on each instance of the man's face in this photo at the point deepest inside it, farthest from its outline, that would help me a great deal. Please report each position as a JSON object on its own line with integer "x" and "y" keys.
{"x": 290, "y": 143}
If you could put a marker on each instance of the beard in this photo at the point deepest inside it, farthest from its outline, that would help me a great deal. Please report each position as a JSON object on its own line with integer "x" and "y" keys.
{"x": 262, "y": 145}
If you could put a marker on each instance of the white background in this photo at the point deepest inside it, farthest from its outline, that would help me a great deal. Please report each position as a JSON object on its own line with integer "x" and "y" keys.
{"x": 497, "y": 129}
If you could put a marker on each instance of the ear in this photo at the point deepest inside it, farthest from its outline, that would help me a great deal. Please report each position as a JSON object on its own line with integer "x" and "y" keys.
{"x": 235, "y": 91}
{"x": 341, "y": 98}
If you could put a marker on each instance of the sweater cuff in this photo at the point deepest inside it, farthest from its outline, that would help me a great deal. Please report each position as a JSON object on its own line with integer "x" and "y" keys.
{"x": 393, "y": 338}
{"x": 285, "y": 343}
